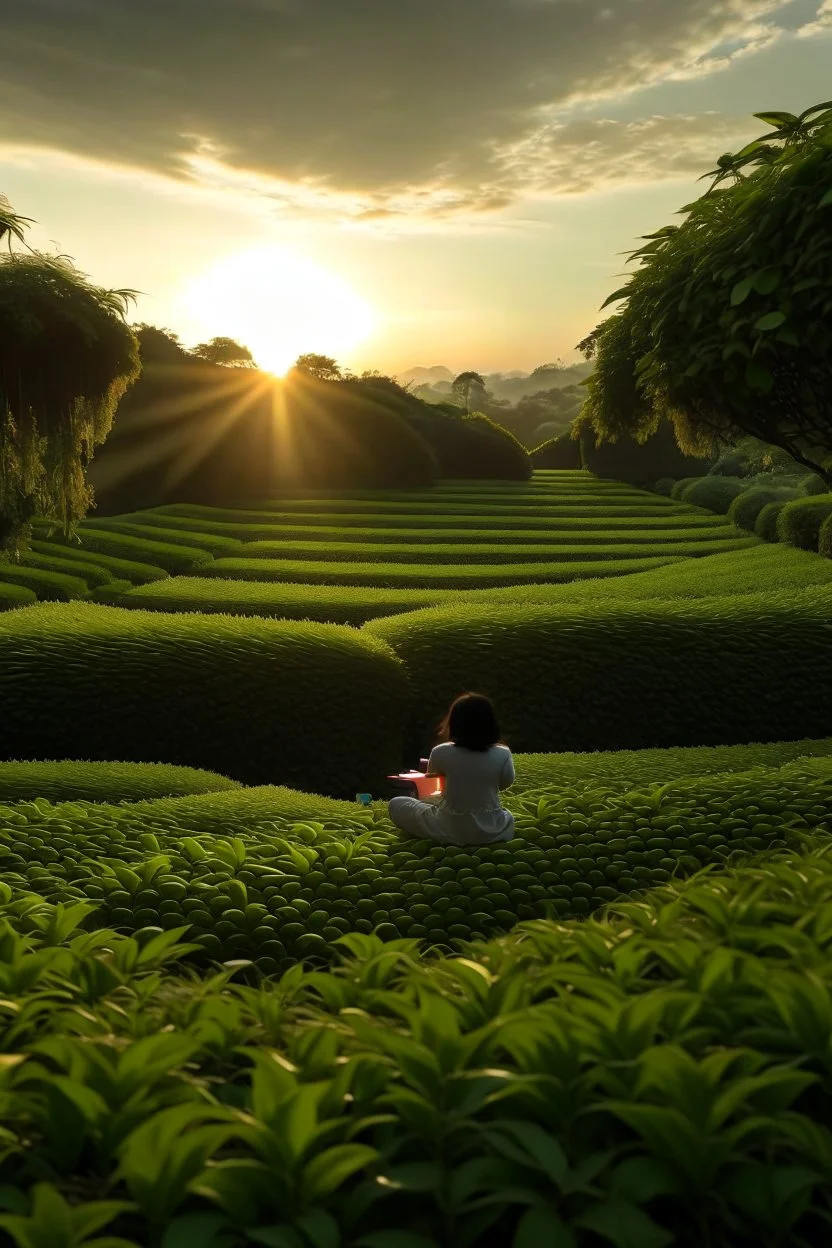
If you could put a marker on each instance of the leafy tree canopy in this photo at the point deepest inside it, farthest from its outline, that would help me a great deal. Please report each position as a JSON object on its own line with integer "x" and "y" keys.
{"x": 66, "y": 358}
{"x": 321, "y": 367}
{"x": 725, "y": 325}
{"x": 225, "y": 351}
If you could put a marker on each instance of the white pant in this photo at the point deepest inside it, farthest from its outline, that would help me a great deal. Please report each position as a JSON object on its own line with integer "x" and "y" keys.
{"x": 424, "y": 821}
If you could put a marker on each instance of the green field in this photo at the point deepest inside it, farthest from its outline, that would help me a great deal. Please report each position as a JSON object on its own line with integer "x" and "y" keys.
{"x": 234, "y": 1007}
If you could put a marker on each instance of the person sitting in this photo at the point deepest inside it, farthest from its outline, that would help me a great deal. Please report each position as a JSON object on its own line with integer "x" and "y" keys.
{"x": 474, "y": 768}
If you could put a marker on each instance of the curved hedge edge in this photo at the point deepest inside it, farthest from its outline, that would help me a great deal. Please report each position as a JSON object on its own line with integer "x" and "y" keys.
{"x": 62, "y": 780}
{"x": 799, "y": 522}
{"x": 13, "y": 596}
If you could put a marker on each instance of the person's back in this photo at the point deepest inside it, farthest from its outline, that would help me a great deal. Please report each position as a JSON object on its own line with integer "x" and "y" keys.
{"x": 474, "y": 767}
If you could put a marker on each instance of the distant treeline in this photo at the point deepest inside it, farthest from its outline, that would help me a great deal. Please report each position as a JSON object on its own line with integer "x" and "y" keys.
{"x": 194, "y": 431}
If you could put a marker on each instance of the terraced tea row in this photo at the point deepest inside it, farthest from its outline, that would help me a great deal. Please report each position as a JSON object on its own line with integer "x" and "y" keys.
{"x": 315, "y": 1110}
{"x": 256, "y": 882}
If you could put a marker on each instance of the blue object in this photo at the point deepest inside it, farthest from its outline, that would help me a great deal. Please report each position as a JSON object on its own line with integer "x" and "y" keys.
{"x": 364, "y": 799}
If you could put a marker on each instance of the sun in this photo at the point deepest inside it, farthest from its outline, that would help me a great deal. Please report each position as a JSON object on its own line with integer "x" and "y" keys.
{"x": 280, "y": 305}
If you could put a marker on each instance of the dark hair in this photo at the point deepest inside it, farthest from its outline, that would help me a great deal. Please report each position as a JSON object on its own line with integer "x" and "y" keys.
{"x": 471, "y": 723}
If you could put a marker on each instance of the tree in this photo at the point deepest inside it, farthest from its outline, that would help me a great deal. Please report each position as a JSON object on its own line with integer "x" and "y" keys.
{"x": 320, "y": 367}
{"x": 725, "y": 325}
{"x": 66, "y": 357}
{"x": 160, "y": 346}
{"x": 466, "y": 385}
{"x": 225, "y": 351}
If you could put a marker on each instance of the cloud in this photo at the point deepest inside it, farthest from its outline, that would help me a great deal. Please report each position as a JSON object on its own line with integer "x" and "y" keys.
{"x": 368, "y": 110}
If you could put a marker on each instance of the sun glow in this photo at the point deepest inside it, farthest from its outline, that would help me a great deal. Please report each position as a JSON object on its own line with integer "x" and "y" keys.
{"x": 278, "y": 304}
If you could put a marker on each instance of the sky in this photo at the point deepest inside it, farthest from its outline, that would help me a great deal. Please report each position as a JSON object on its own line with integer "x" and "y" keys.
{"x": 393, "y": 182}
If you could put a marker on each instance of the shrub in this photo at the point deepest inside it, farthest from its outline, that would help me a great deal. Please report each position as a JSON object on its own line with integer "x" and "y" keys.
{"x": 714, "y": 493}
{"x": 313, "y": 705}
{"x": 679, "y": 487}
{"x": 15, "y": 595}
{"x": 67, "y": 781}
{"x": 563, "y": 452}
{"x": 747, "y": 506}
{"x": 799, "y": 522}
{"x": 47, "y": 586}
{"x": 825, "y": 538}
{"x": 814, "y": 484}
{"x": 766, "y": 525}
{"x": 122, "y": 569}
{"x": 629, "y": 674}
{"x": 213, "y": 543}
{"x": 92, "y": 573}
{"x": 171, "y": 557}
{"x": 641, "y": 462}
{"x": 664, "y": 485}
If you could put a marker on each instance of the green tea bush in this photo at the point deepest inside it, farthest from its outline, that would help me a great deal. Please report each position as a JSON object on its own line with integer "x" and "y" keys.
{"x": 664, "y": 486}
{"x": 657, "y": 1076}
{"x": 563, "y": 452}
{"x": 591, "y": 676}
{"x": 173, "y": 558}
{"x": 430, "y": 575}
{"x": 825, "y": 538}
{"x": 15, "y": 595}
{"x": 213, "y": 543}
{"x": 508, "y": 551}
{"x": 274, "y": 876}
{"x": 312, "y": 705}
{"x": 714, "y": 493}
{"x": 122, "y": 569}
{"x": 91, "y": 573}
{"x": 104, "y": 782}
{"x": 799, "y": 522}
{"x": 336, "y": 604}
{"x": 747, "y": 506}
{"x": 47, "y": 586}
{"x": 766, "y": 524}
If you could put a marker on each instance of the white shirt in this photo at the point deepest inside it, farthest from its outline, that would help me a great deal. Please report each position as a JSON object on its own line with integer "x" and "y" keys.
{"x": 470, "y": 809}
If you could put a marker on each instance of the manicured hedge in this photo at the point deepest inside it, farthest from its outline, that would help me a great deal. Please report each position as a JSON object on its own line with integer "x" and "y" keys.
{"x": 122, "y": 569}
{"x": 331, "y": 604}
{"x": 91, "y": 573}
{"x": 47, "y": 586}
{"x": 766, "y": 524}
{"x": 569, "y": 547}
{"x": 312, "y": 705}
{"x": 664, "y": 486}
{"x": 563, "y": 452}
{"x": 799, "y": 522}
{"x": 715, "y": 493}
{"x": 69, "y": 781}
{"x": 173, "y": 558}
{"x": 428, "y": 575}
{"x": 14, "y": 595}
{"x": 213, "y": 543}
{"x": 627, "y": 674}
{"x": 747, "y": 506}
{"x": 825, "y": 538}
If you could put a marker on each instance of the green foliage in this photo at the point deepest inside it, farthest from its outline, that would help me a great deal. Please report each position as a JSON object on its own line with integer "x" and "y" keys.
{"x": 145, "y": 550}
{"x": 715, "y": 493}
{"x": 664, "y": 486}
{"x": 66, "y": 358}
{"x": 213, "y": 543}
{"x": 658, "y": 1074}
{"x": 121, "y": 569}
{"x": 47, "y": 585}
{"x": 825, "y": 538}
{"x": 556, "y": 670}
{"x": 104, "y": 782}
{"x": 561, "y": 452}
{"x": 443, "y": 575}
{"x": 92, "y": 573}
{"x": 747, "y": 505}
{"x": 766, "y": 525}
{"x": 225, "y": 351}
{"x": 725, "y": 324}
{"x": 15, "y": 596}
{"x": 638, "y": 461}
{"x": 310, "y": 704}
{"x": 799, "y": 521}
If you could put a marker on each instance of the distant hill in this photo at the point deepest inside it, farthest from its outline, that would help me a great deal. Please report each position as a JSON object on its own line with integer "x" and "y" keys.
{"x": 432, "y": 384}
{"x": 427, "y": 376}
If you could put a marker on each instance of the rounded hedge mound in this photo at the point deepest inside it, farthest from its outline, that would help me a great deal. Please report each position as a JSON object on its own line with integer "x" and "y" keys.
{"x": 563, "y": 452}
{"x": 747, "y": 506}
{"x": 800, "y": 521}
{"x": 70, "y": 781}
{"x": 592, "y": 676}
{"x": 825, "y": 538}
{"x": 312, "y": 705}
{"x": 715, "y": 493}
{"x": 766, "y": 524}
{"x": 12, "y": 596}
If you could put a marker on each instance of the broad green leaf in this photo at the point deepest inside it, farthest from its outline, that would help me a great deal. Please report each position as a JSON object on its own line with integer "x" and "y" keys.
{"x": 542, "y": 1227}
{"x": 772, "y": 320}
{"x": 624, "y": 1225}
{"x": 326, "y": 1172}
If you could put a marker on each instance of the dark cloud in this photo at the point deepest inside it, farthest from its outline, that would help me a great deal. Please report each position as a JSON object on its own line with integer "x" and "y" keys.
{"x": 378, "y": 100}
